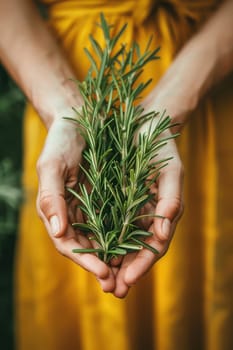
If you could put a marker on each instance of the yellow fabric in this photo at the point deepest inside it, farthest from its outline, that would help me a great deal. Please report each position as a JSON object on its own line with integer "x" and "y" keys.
{"x": 186, "y": 301}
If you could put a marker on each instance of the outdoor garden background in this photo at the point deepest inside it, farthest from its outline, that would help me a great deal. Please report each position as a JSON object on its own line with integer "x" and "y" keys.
{"x": 11, "y": 111}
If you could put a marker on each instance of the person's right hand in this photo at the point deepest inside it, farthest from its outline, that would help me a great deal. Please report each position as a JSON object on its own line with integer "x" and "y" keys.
{"x": 57, "y": 169}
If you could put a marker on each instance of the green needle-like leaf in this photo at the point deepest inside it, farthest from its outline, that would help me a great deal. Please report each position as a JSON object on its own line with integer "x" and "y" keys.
{"x": 87, "y": 250}
{"x": 145, "y": 245}
{"x": 119, "y": 163}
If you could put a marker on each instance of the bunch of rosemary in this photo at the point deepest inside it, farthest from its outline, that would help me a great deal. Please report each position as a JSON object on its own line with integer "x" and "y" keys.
{"x": 119, "y": 165}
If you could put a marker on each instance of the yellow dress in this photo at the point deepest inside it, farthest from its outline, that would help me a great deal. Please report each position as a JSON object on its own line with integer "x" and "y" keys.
{"x": 186, "y": 301}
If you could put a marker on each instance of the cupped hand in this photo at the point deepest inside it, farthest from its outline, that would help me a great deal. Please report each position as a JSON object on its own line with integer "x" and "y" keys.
{"x": 57, "y": 169}
{"x": 169, "y": 94}
{"x": 169, "y": 205}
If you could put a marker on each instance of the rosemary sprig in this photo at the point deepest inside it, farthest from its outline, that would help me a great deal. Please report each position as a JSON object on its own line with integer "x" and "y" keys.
{"x": 117, "y": 168}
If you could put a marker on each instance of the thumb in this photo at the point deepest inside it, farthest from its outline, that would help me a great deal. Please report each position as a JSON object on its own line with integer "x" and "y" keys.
{"x": 51, "y": 205}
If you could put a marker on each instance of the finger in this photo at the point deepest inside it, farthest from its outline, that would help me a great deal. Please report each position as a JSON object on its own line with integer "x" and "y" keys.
{"x": 90, "y": 262}
{"x": 122, "y": 287}
{"x": 108, "y": 284}
{"x": 87, "y": 241}
{"x": 71, "y": 240}
{"x": 51, "y": 204}
{"x": 143, "y": 261}
{"x": 74, "y": 212}
{"x": 170, "y": 208}
{"x": 170, "y": 201}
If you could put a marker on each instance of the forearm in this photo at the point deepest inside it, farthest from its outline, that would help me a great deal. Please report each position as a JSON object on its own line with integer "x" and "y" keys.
{"x": 218, "y": 35}
{"x": 30, "y": 53}
{"x": 208, "y": 57}
{"x": 204, "y": 61}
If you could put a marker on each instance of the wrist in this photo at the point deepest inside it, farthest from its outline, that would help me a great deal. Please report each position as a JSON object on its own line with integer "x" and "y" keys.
{"x": 57, "y": 103}
{"x": 185, "y": 82}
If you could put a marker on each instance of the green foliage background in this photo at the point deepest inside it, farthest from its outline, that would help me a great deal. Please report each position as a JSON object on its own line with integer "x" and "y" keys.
{"x": 11, "y": 110}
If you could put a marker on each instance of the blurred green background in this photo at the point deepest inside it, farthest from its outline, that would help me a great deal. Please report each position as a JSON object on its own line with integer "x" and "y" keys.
{"x": 11, "y": 111}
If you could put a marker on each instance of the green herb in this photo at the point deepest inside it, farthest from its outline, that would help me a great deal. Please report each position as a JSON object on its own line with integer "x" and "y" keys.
{"x": 118, "y": 159}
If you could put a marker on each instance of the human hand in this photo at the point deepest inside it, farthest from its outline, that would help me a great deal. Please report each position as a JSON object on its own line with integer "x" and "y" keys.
{"x": 168, "y": 205}
{"x": 57, "y": 169}
{"x": 168, "y": 194}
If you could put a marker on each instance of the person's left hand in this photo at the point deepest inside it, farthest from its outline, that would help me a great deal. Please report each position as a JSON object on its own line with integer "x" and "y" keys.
{"x": 170, "y": 206}
{"x": 168, "y": 94}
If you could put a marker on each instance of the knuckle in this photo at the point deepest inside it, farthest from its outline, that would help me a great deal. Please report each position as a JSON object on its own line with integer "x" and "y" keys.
{"x": 163, "y": 244}
{"x": 162, "y": 239}
{"x": 51, "y": 164}
{"x": 177, "y": 167}
{"x": 45, "y": 200}
{"x": 179, "y": 210}
{"x": 41, "y": 164}
{"x": 177, "y": 207}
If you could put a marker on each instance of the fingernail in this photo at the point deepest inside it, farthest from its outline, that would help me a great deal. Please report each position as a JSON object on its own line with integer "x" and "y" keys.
{"x": 54, "y": 224}
{"x": 166, "y": 226}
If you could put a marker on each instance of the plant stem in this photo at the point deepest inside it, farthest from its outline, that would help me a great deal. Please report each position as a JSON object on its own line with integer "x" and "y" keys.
{"x": 117, "y": 170}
